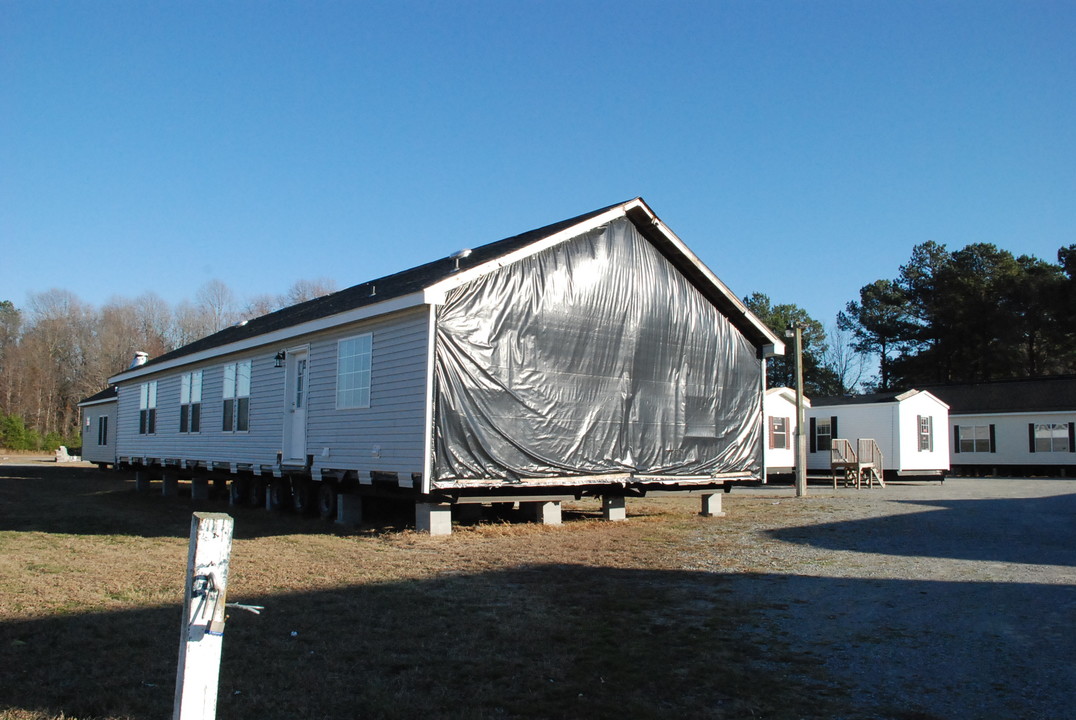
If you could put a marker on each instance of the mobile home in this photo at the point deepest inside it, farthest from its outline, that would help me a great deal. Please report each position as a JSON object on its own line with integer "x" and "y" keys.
{"x": 1018, "y": 427}
{"x": 595, "y": 356}
{"x": 909, "y": 427}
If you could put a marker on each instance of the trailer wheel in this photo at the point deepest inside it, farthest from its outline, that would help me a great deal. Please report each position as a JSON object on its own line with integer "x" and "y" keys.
{"x": 303, "y": 496}
{"x": 280, "y": 494}
{"x": 238, "y": 490}
{"x": 256, "y": 493}
{"x": 327, "y": 496}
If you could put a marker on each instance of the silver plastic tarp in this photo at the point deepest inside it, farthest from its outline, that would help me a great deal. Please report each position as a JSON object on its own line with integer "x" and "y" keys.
{"x": 595, "y": 356}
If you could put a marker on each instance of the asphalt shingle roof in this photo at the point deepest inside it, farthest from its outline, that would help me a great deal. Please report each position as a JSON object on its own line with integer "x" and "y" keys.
{"x": 1043, "y": 394}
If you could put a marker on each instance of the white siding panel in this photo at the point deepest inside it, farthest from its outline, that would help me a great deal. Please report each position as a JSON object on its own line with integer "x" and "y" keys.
{"x": 259, "y": 445}
{"x": 1011, "y": 437}
{"x": 91, "y": 414}
{"x": 388, "y": 435}
{"x": 776, "y": 406}
{"x": 911, "y": 457}
{"x": 392, "y": 427}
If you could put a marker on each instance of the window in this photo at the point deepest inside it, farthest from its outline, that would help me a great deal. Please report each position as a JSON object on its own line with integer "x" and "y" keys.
{"x": 926, "y": 433}
{"x": 353, "y": 357}
{"x": 236, "y": 397}
{"x": 102, "y": 430}
{"x": 147, "y": 408}
{"x": 823, "y": 436}
{"x": 1051, "y": 437}
{"x": 190, "y": 402}
{"x": 974, "y": 438}
{"x": 779, "y": 433}
{"x": 700, "y": 417}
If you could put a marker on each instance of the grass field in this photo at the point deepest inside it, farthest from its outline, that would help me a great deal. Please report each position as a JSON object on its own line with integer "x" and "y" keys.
{"x": 500, "y": 620}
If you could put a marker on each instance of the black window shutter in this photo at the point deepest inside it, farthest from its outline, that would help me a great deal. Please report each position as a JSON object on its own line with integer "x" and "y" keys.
{"x": 814, "y": 440}
{"x": 1072, "y": 437}
{"x": 832, "y": 429}
{"x": 1031, "y": 437}
{"x": 993, "y": 439}
{"x": 956, "y": 438}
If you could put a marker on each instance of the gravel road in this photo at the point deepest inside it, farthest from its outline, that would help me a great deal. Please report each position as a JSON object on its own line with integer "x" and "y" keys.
{"x": 927, "y": 600}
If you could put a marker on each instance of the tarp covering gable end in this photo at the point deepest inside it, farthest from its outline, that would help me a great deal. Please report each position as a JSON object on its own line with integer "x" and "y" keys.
{"x": 595, "y": 356}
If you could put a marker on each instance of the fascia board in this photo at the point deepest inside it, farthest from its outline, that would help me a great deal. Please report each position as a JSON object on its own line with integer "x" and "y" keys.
{"x": 934, "y": 397}
{"x": 435, "y": 294}
{"x": 278, "y": 336}
{"x": 99, "y": 402}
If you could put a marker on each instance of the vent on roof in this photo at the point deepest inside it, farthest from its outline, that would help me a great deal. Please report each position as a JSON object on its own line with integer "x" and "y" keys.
{"x": 464, "y": 253}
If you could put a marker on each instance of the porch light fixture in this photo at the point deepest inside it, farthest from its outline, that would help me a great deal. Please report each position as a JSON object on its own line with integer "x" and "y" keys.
{"x": 280, "y": 358}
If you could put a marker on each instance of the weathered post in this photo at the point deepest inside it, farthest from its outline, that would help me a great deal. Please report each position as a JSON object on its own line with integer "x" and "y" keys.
{"x": 202, "y": 628}
{"x": 795, "y": 331}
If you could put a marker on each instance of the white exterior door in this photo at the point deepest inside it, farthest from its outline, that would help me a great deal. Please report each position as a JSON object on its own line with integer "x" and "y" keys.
{"x": 295, "y": 389}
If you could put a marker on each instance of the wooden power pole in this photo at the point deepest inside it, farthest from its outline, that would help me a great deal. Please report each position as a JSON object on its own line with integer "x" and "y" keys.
{"x": 796, "y": 332}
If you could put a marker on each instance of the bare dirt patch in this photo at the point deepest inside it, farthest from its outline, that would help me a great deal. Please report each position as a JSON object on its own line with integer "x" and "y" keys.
{"x": 854, "y": 604}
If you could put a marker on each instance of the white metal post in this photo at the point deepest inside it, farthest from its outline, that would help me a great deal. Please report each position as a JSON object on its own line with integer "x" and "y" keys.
{"x": 201, "y": 633}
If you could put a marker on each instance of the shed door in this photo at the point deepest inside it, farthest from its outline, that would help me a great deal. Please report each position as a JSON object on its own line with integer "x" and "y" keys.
{"x": 295, "y": 389}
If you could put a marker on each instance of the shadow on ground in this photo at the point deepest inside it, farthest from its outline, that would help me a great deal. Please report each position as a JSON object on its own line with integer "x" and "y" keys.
{"x": 1036, "y": 531}
{"x": 555, "y": 641}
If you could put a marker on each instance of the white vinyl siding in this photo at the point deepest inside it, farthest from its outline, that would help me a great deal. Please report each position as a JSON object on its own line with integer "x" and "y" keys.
{"x": 388, "y": 436}
{"x": 99, "y": 430}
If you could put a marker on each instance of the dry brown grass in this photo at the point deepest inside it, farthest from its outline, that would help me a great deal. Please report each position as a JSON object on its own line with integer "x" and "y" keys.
{"x": 500, "y": 620}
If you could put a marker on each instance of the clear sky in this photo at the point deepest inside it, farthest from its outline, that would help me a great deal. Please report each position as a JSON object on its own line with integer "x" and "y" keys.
{"x": 801, "y": 149}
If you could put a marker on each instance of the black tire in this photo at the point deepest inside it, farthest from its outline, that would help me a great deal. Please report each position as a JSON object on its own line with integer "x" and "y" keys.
{"x": 280, "y": 494}
{"x": 238, "y": 490}
{"x": 256, "y": 493}
{"x": 327, "y": 498}
{"x": 304, "y": 496}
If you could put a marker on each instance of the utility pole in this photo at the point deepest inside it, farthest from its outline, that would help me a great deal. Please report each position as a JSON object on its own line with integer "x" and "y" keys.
{"x": 795, "y": 331}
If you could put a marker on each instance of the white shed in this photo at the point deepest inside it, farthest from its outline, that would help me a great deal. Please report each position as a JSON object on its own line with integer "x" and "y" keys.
{"x": 910, "y": 428}
{"x": 779, "y": 406}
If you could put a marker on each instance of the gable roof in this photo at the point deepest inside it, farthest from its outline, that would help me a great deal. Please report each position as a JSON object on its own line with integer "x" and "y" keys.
{"x": 1042, "y": 394}
{"x": 107, "y": 395}
{"x": 873, "y": 398}
{"x": 788, "y": 395}
{"x": 426, "y": 283}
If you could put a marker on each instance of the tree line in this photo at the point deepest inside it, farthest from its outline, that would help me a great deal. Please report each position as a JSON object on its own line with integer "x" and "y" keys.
{"x": 968, "y": 315}
{"x": 977, "y": 313}
{"x": 59, "y": 350}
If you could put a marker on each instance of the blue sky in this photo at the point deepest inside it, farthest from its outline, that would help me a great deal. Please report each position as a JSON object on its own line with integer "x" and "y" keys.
{"x": 800, "y": 149}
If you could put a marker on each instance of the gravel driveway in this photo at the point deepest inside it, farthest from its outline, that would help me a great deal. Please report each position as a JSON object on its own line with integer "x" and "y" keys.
{"x": 928, "y": 600}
